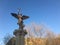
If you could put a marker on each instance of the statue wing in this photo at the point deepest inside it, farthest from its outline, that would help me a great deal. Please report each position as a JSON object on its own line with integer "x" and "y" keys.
{"x": 14, "y": 15}
{"x": 25, "y": 17}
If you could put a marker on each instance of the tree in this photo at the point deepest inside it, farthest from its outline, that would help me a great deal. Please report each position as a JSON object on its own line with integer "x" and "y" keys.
{"x": 35, "y": 31}
{"x": 7, "y": 38}
{"x": 50, "y": 36}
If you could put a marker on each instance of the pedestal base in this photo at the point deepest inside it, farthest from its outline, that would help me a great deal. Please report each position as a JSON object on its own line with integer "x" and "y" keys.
{"x": 19, "y": 34}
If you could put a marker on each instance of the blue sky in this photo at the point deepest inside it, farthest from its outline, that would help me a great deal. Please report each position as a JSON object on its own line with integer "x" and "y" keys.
{"x": 39, "y": 11}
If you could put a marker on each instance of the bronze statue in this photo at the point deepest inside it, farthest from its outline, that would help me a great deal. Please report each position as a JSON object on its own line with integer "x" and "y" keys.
{"x": 19, "y": 17}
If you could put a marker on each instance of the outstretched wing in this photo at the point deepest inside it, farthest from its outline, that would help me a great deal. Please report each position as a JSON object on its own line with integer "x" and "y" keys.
{"x": 25, "y": 17}
{"x": 14, "y": 15}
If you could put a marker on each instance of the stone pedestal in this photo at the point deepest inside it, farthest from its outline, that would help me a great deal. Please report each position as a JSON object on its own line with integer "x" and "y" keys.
{"x": 20, "y": 40}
